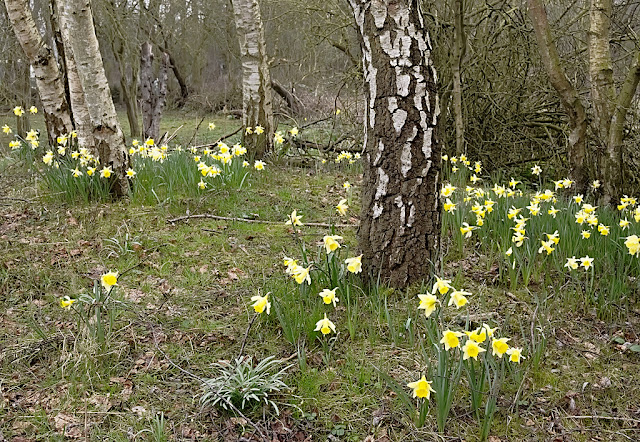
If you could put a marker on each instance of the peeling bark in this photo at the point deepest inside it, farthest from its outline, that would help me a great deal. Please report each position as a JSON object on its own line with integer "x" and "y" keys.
{"x": 256, "y": 79}
{"x": 79, "y": 34}
{"x": 400, "y": 229}
{"x": 45, "y": 67}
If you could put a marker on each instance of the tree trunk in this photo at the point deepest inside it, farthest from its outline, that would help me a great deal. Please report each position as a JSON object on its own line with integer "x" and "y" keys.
{"x": 45, "y": 68}
{"x": 256, "y": 80}
{"x": 568, "y": 94}
{"x": 400, "y": 228}
{"x": 105, "y": 129}
{"x": 458, "y": 54}
{"x": 153, "y": 91}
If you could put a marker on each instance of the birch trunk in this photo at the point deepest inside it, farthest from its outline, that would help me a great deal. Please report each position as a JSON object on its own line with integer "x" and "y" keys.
{"x": 105, "y": 129}
{"x": 400, "y": 228}
{"x": 256, "y": 80}
{"x": 45, "y": 67}
{"x": 577, "y": 148}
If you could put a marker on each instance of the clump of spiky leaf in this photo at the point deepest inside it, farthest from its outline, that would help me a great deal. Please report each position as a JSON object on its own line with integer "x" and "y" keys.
{"x": 241, "y": 384}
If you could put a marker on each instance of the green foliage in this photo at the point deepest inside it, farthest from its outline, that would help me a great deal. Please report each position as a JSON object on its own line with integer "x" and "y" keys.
{"x": 242, "y": 385}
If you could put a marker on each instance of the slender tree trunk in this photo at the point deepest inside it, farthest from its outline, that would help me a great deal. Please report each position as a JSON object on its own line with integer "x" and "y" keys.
{"x": 459, "y": 49}
{"x": 400, "y": 228}
{"x": 105, "y": 129}
{"x": 568, "y": 94}
{"x": 129, "y": 85}
{"x": 256, "y": 80}
{"x": 48, "y": 78}
{"x": 153, "y": 91}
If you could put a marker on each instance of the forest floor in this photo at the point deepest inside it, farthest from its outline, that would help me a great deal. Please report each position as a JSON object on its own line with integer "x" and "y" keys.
{"x": 185, "y": 288}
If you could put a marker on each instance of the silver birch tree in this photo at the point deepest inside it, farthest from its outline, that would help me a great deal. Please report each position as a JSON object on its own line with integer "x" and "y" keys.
{"x": 256, "y": 79}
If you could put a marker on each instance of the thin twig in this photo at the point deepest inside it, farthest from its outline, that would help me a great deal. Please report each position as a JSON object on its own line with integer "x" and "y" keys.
{"x": 244, "y": 340}
{"x": 610, "y": 418}
{"x": 195, "y": 132}
{"x": 246, "y": 220}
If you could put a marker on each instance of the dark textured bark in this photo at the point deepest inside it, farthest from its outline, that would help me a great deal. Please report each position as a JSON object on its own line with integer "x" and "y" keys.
{"x": 153, "y": 91}
{"x": 294, "y": 103}
{"x": 400, "y": 227}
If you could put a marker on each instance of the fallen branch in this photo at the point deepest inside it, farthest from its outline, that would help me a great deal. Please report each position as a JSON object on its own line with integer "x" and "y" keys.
{"x": 220, "y": 139}
{"x": 611, "y": 418}
{"x": 247, "y": 220}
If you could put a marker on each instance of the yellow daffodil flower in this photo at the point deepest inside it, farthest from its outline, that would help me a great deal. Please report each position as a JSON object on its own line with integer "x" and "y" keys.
{"x": 325, "y": 326}
{"x": 471, "y": 349}
{"x": 261, "y": 303}
{"x": 354, "y": 265}
{"x": 428, "y": 304}
{"x": 572, "y": 263}
{"x": 66, "y": 302}
{"x": 499, "y": 347}
{"x": 259, "y": 165}
{"x": 515, "y": 354}
{"x": 586, "y": 262}
{"x": 331, "y": 243}
{"x": 329, "y": 296}
{"x": 109, "y": 280}
{"x": 342, "y": 207}
{"x": 450, "y": 339}
{"x": 421, "y": 388}
{"x": 441, "y": 286}
{"x": 294, "y": 219}
{"x": 633, "y": 245}
{"x": 458, "y": 298}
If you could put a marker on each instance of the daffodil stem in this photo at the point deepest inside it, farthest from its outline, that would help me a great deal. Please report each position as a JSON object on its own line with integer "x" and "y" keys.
{"x": 246, "y": 334}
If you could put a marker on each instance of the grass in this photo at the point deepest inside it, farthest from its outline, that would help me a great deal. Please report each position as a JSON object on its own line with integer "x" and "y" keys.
{"x": 187, "y": 295}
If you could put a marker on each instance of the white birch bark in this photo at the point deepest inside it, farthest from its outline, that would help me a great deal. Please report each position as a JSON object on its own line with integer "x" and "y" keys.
{"x": 256, "y": 80}
{"x": 105, "y": 129}
{"x": 45, "y": 67}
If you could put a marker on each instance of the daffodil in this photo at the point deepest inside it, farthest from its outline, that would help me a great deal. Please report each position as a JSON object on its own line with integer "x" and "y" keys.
{"x": 202, "y": 185}
{"x": 586, "y": 234}
{"x": 450, "y": 339}
{"x": 499, "y": 347}
{"x": 329, "y": 296}
{"x": 342, "y": 207}
{"x": 509, "y": 251}
{"x": 546, "y": 246}
{"x": 536, "y": 170}
{"x": 346, "y": 185}
{"x": 325, "y": 326}
{"x": 259, "y": 130}
{"x": 449, "y": 206}
{"x": 66, "y": 302}
{"x": 572, "y": 263}
{"x": 6, "y": 129}
{"x": 259, "y": 165}
{"x": 586, "y": 262}
{"x": 91, "y": 171}
{"x": 106, "y": 172}
{"x": 421, "y": 388}
{"x": 131, "y": 173}
{"x": 331, "y": 242}
{"x": 441, "y": 286}
{"x": 553, "y": 211}
{"x": 515, "y": 354}
{"x": 76, "y": 172}
{"x": 467, "y": 230}
{"x": 18, "y": 111}
{"x": 471, "y": 349}
{"x": 302, "y": 274}
{"x": 624, "y": 223}
{"x": 478, "y": 335}
{"x": 447, "y": 190}
{"x": 354, "y": 265}
{"x": 109, "y": 279}
{"x": 595, "y": 184}
{"x": 212, "y": 126}
{"x": 604, "y": 230}
{"x": 458, "y": 298}
{"x": 248, "y": 131}
{"x": 428, "y": 303}
{"x": 261, "y": 303}
{"x": 633, "y": 245}
{"x": 490, "y": 331}
{"x": 294, "y": 219}
{"x": 293, "y": 131}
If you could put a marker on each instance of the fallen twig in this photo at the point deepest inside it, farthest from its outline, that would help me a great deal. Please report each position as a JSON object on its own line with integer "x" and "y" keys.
{"x": 247, "y": 220}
